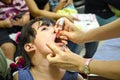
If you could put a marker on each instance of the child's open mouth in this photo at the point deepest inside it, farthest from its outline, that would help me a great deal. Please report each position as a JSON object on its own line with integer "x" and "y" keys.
{"x": 60, "y": 42}
{"x": 57, "y": 40}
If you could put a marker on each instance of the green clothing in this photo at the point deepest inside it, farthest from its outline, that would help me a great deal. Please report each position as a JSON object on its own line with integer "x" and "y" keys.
{"x": 3, "y": 64}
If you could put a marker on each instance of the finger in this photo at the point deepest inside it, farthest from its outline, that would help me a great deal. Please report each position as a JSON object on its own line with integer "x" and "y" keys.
{"x": 9, "y": 17}
{"x": 50, "y": 55}
{"x": 71, "y": 19}
{"x": 65, "y": 33}
{"x": 17, "y": 19}
{"x": 67, "y": 50}
{"x": 65, "y": 42}
{"x": 63, "y": 38}
{"x": 76, "y": 17}
{"x": 50, "y": 58}
{"x": 53, "y": 48}
{"x": 68, "y": 2}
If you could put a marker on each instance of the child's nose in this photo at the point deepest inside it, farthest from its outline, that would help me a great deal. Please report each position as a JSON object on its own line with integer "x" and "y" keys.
{"x": 54, "y": 30}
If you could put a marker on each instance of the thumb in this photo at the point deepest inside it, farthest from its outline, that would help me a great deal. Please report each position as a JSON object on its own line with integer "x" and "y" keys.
{"x": 53, "y": 48}
{"x": 65, "y": 33}
{"x": 50, "y": 57}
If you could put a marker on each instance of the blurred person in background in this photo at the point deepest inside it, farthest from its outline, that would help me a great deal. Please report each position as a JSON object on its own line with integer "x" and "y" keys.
{"x": 13, "y": 15}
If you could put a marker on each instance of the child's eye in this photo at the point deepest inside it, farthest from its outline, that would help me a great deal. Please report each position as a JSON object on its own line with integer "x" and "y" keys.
{"x": 44, "y": 29}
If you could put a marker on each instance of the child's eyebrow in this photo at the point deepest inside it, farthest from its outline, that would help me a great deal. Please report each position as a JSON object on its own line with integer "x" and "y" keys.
{"x": 42, "y": 23}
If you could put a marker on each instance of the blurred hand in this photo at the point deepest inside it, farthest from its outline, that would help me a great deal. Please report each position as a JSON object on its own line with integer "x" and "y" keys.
{"x": 7, "y": 23}
{"x": 17, "y": 22}
{"x": 68, "y": 2}
{"x": 65, "y": 59}
{"x": 71, "y": 32}
{"x": 71, "y": 18}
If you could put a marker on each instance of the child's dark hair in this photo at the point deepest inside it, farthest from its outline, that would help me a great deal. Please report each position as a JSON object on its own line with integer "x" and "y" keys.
{"x": 28, "y": 35}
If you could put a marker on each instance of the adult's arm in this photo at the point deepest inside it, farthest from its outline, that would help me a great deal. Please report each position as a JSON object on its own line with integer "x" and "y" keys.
{"x": 108, "y": 31}
{"x": 2, "y": 24}
{"x": 5, "y": 23}
{"x": 60, "y": 5}
{"x": 25, "y": 18}
{"x": 47, "y": 7}
{"x": 35, "y": 11}
{"x": 22, "y": 21}
{"x": 71, "y": 61}
{"x": 108, "y": 69}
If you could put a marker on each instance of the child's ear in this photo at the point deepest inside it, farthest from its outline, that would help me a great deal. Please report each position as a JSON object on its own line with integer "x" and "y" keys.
{"x": 29, "y": 47}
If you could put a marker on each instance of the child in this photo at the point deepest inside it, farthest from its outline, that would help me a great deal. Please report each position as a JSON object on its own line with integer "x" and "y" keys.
{"x": 32, "y": 45}
{"x": 62, "y": 7}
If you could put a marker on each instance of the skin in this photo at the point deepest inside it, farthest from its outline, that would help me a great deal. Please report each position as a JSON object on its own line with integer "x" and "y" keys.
{"x": 62, "y": 4}
{"x": 6, "y": 22}
{"x": 68, "y": 60}
{"x": 107, "y": 31}
{"x": 36, "y": 12}
{"x": 19, "y": 22}
{"x": 9, "y": 23}
{"x": 38, "y": 51}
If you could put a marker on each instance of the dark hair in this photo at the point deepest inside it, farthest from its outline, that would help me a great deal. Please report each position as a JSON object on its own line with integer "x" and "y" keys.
{"x": 28, "y": 35}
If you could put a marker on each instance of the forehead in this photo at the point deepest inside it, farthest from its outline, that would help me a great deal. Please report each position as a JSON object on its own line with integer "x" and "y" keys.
{"x": 41, "y": 23}
{"x": 37, "y": 24}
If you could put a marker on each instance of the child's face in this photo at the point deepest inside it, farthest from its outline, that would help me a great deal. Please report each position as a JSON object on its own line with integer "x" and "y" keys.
{"x": 44, "y": 35}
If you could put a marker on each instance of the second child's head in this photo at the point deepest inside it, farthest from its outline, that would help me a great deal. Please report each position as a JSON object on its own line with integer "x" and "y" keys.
{"x": 34, "y": 37}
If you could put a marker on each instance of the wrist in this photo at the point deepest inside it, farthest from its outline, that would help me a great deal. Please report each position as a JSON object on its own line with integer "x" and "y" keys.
{"x": 84, "y": 37}
{"x": 81, "y": 37}
{"x": 86, "y": 68}
{"x": 81, "y": 64}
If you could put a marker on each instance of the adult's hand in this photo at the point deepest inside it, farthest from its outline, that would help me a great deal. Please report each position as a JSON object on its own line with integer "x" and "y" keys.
{"x": 17, "y": 22}
{"x": 68, "y": 2}
{"x": 7, "y": 23}
{"x": 65, "y": 59}
{"x": 71, "y": 32}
